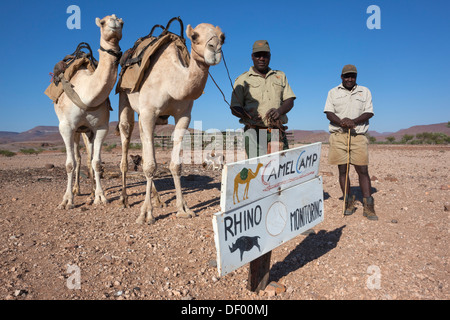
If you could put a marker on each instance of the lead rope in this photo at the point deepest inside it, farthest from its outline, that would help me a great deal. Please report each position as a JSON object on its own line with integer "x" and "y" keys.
{"x": 231, "y": 84}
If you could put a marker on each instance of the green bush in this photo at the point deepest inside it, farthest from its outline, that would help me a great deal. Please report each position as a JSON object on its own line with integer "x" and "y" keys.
{"x": 390, "y": 139}
{"x": 137, "y": 146}
{"x": 7, "y": 153}
{"x": 406, "y": 138}
{"x": 30, "y": 151}
{"x": 432, "y": 138}
{"x": 110, "y": 147}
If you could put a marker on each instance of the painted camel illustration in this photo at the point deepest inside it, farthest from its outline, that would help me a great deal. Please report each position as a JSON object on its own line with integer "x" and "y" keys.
{"x": 244, "y": 177}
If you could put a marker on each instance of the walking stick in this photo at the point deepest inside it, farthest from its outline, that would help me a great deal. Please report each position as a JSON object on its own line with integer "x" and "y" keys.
{"x": 346, "y": 173}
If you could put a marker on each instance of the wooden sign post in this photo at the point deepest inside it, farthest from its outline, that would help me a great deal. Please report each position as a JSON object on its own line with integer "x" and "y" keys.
{"x": 265, "y": 202}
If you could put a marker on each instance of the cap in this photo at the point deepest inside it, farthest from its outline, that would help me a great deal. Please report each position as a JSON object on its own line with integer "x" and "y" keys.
{"x": 261, "y": 45}
{"x": 349, "y": 68}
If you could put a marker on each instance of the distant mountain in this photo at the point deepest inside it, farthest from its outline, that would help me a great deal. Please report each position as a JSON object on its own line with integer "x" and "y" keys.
{"x": 50, "y": 134}
{"x": 308, "y": 136}
{"x": 45, "y": 133}
{"x": 432, "y": 128}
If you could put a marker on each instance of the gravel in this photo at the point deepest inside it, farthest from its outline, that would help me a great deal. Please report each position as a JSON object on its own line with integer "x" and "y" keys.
{"x": 99, "y": 252}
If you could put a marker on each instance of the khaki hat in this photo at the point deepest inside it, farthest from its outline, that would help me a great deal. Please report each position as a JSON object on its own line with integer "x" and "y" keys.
{"x": 349, "y": 68}
{"x": 261, "y": 45}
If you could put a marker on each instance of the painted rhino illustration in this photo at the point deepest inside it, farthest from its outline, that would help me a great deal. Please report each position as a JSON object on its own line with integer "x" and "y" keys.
{"x": 245, "y": 243}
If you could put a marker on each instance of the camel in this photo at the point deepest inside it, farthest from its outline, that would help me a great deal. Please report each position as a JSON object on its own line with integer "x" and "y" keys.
{"x": 213, "y": 161}
{"x": 168, "y": 88}
{"x": 92, "y": 118}
{"x": 244, "y": 178}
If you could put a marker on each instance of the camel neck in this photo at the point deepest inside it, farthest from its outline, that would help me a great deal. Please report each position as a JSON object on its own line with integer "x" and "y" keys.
{"x": 99, "y": 84}
{"x": 196, "y": 80}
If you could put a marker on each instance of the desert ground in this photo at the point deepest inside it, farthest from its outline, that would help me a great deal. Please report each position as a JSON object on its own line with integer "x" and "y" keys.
{"x": 402, "y": 256}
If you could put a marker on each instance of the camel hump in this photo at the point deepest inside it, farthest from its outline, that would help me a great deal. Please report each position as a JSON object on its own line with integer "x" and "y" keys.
{"x": 244, "y": 173}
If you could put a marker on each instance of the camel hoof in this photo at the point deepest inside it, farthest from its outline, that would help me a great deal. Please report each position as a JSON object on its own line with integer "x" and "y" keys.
{"x": 66, "y": 206}
{"x": 100, "y": 200}
{"x": 158, "y": 204}
{"x": 151, "y": 221}
{"x": 123, "y": 203}
{"x": 184, "y": 215}
{"x": 140, "y": 220}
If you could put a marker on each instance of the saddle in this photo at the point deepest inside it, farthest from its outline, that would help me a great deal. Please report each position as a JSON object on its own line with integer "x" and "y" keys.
{"x": 65, "y": 69}
{"x": 136, "y": 60}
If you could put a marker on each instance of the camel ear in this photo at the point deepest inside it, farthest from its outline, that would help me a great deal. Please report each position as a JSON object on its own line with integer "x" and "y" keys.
{"x": 98, "y": 22}
{"x": 191, "y": 33}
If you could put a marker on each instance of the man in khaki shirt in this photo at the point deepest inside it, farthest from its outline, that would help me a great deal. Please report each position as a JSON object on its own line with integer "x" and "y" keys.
{"x": 349, "y": 108}
{"x": 261, "y": 99}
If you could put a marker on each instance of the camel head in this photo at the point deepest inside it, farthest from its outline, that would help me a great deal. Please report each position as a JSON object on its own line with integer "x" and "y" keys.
{"x": 110, "y": 28}
{"x": 207, "y": 42}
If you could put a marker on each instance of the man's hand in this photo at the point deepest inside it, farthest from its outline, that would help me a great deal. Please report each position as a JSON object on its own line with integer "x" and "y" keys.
{"x": 273, "y": 114}
{"x": 347, "y": 123}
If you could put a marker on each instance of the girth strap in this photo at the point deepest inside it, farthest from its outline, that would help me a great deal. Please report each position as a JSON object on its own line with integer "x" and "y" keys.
{"x": 73, "y": 95}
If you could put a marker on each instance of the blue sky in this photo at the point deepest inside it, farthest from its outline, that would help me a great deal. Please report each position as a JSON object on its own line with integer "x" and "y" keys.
{"x": 405, "y": 63}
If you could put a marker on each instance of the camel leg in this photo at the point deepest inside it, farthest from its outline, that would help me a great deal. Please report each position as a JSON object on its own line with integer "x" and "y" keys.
{"x": 76, "y": 187}
{"x": 147, "y": 126}
{"x": 125, "y": 126}
{"x": 182, "y": 123}
{"x": 99, "y": 137}
{"x": 246, "y": 191}
{"x": 88, "y": 143}
{"x": 68, "y": 137}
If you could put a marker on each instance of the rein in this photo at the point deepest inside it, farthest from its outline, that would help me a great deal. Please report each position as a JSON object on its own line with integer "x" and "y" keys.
{"x": 228, "y": 73}
{"x": 232, "y": 88}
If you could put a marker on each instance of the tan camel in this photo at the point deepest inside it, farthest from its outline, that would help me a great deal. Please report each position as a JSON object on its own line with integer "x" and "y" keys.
{"x": 239, "y": 180}
{"x": 169, "y": 88}
{"x": 93, "y": 90}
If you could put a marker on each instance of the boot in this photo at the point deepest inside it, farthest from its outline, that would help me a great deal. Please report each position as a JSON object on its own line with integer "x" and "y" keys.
{"x": 369, "y": 209}
{"x": 349, "y": 205}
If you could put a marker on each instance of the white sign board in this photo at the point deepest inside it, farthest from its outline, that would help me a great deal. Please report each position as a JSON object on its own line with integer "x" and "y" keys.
{"x": 246, "y": 233}
{"x": 246, "y": 181}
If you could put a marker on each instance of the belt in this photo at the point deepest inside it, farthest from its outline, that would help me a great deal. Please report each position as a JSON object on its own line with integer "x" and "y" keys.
{"x": 352, "y": 133}
{"x": 249, "y": 126}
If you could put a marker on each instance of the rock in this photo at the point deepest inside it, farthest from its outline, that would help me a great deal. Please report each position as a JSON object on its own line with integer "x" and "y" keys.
{"x": 274, "y": 288}
{"x": 20, "y": 292}
{"x": 391, "y": 178}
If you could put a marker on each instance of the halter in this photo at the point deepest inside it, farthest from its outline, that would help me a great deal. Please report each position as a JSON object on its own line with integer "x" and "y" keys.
{"x": 117, "y": 54}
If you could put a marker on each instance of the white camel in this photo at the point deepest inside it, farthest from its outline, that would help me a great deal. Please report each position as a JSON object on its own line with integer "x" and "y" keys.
{"x": 170, "y": 88}
{"x": 213, "y": 161}
{"x": 92, "y": 119}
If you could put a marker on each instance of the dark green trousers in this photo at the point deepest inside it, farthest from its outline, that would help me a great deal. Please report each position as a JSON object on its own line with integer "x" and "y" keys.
{"x": 256, "y": 141}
